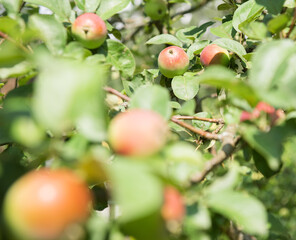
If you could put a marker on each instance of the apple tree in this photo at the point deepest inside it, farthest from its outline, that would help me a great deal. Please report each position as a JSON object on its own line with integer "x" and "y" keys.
{"x": 147, "y": 119}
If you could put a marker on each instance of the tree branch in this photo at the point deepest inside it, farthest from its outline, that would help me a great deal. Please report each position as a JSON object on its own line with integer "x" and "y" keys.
{"x": 200, "y": 132}
{"x": 229, "y": 141}
{"x": 292, "y": 24}
{"x": 176, "y": 119}
{"x": 220, "y": 121}
{"x": 118, "y": 94}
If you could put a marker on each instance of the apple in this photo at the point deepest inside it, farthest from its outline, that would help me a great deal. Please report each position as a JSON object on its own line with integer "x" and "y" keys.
{"x": 137, "y": 132}
{"x": 90, "y": 30}
{"x": 173, "y": 208}
{"x": 43, "y": 204}
{"x": 155, "y": 9}
{"x": 173, "y": 61}
{"x": 213, "y": 54}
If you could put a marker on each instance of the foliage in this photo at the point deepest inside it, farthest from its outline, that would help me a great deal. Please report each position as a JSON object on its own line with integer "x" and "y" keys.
{"x": 236, "y": 175}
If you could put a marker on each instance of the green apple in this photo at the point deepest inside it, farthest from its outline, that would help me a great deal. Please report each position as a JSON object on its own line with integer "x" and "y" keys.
{"x": 155, "y": 9}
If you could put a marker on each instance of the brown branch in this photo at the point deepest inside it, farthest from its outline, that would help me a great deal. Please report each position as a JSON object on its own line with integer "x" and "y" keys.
{"x": 211, "y": 120}
{"x": 292, "y": 24}
{"x": 196, "y": 130}
{"x": 229, "y": 142}
{"x": 118, "y": 94}
{"x": 218, "y": 129}
{"x": 8, "y": 38}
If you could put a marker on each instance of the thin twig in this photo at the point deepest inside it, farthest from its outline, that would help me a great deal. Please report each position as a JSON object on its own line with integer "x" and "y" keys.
{"x": 5, "y": 36}
{"x": 115, "y": 92}
{"x": 292, "y": 24}
{"x": 229, "y": 141}
{"x": 220, "y": 121}
{"x": 196, "y": 130}
{"x": 218, "y": 129}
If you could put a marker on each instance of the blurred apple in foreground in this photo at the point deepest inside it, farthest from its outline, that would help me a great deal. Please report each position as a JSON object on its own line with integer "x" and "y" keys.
{"x": 43, "y": 204}
{"x": 173, "y": 207}
{"x": 138, "y": 132}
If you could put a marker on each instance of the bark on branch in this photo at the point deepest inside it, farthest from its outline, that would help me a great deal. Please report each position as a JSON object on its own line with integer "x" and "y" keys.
{"x": 229, "y": 141}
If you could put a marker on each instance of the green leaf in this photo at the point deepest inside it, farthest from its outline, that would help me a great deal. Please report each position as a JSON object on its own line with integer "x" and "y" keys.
{"x": 254, "y": 30}
{"x": 69, "y": 93}
{"x": 12, "y": 27}
{"x": 273, "y": 7}
{"x": 202, "y": 124}
{"x": 16, "y": 71}
{"x": 108, "y": 8}
{"x": 185, "y": 87}
{"x": 155, "y": 98}
{"x": 248, "y": 11}
{"x": 77, "y": 51}
{"x": 190, "y": 34}
{"x": 278, "y": 23}
{"x": 225, "y": 30}
{"x": 12, "y": 6}
{"x": 232, "y": 46}
{"x": 269, "y": 144}
{"x": 196, "y": 48}
{"x": 262, "y": 165}
{"x": 226, "y": 183}
{"x": 120, "y": 57}
{"x": 290, "y": 4}
{"x": 88, "y": 5}
{"x": 10, "y": 55}
{"x": 62, "y": 8}
{"x": 188, "y": 108}
{"x": 183, "y": 160}
{"x": 277, "y": 84}
{"x": 245, "y": 210}
{"x": 135, "y": 200}
{"x": 50, "y": 31}
{"x": 165, "y": 39}
{"x": 222, "y": 77}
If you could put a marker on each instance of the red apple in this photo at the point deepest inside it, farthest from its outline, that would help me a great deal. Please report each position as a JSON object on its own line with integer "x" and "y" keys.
{"x": 90, "y": 30}
{"x": 43, "y": 204}
{"x": 173, "y": 61}
{"x": 173, "y": 207}
{"x": 138, "y": 132}
{"x": 213, "y": 54}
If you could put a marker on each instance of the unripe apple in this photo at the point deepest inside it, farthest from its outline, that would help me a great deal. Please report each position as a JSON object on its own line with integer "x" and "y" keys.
{"x": 90, "y": 30}
{"x": 173, "y": 61}
{"x": 173, "y": 208}
{"x": 155, "y": 9}
{"x": 213, "y": 54}
{"x": 43, "y": 204}
{"x": 138, "y": 132}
